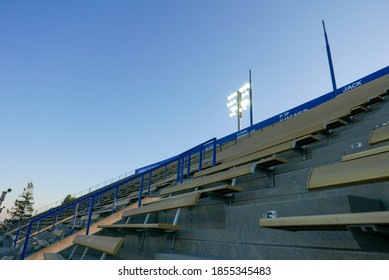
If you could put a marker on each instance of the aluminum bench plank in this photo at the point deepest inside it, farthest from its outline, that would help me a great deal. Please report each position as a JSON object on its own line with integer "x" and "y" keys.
{"x": 327, "y": 222}
{"x": 361, "y": 170}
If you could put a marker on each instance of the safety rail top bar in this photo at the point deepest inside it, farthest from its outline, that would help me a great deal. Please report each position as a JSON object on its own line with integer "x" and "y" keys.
{"x": 92, "y": 196}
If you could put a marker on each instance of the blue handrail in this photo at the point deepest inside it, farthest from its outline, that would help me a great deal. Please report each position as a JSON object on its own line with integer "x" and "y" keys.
{"x": 115, "y": 186}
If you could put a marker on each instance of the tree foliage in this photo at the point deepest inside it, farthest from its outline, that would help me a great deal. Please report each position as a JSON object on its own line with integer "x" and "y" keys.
{"x": 23, "y": 206}
{"x": 69, "y": 198}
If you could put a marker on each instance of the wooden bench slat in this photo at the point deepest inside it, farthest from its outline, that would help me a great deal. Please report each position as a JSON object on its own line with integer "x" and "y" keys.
{"x": 166, "y": 203}
{"x": 360, "y": 170}
{"x": 142, "y": 226}
{"x": 329, "y": 222}
{"x": 379, "y": 135}
{"x": 270, "y": 138}
{"x": 229, "y": 174}
{"x": 226, "y": 188}
{"x": 366, "y": 153}
{"x": 261, "y": 153}
{"x": 217, "y": 177}
{"x": 271, "y": 161}
{"x": 106, "y": 244}
{"x": 178, "y": 201}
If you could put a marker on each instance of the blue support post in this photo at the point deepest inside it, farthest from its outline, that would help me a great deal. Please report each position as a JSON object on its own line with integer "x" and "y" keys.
{"x": 26, "y": 241}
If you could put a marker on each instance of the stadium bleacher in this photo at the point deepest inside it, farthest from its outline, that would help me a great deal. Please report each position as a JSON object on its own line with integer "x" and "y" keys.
{"x": 313, "y": 186}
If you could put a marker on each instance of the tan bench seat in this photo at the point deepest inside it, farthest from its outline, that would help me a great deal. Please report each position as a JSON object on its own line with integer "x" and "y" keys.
{"x": 379, "y": 135}
{"x": 222, "y": 176}
{"x": 366, "y": 153}
{"x": 365, "y": 169}
{"x": 159, "y": 226}
{"x": 264, "y": 155}
{"x": 175, "y": 202}
{"x": 327, "y": 222}
{"x": 105, "y": 244}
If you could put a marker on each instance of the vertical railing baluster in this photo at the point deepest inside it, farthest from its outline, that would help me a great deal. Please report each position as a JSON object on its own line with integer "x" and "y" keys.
{"x": 188, "y": 167}
{"x": 149, "y": 185}
{"x": 26, "y": 241}
{"x": 141, "y": 190}
{"x": 90, "y": 215}
{"x": 115, "y": 199}
{"x": 214, "y": 153}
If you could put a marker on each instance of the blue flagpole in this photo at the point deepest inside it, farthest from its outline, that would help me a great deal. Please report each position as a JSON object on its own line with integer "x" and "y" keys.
{"x": 329, "y": 58}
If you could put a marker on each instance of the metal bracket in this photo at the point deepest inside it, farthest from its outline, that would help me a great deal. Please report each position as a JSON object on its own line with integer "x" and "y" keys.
{"x": 372, "y": 228}
{"x": 269, "y": 172}
{"x": 302, "y": 150}
{"x": 226, "y": 198}
{"x": 327, "y": 133}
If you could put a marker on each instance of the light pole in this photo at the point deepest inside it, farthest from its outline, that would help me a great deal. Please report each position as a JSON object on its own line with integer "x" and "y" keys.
{"x": 238, "y": 102}
{"x": 2, "y": 197}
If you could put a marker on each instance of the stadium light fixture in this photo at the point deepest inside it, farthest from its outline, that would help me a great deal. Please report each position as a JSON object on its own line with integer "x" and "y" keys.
{"x": 239, "y": 101}
{"x": 4, "y": 193}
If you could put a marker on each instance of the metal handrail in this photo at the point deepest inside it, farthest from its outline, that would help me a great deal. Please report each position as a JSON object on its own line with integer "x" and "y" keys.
{"x": 92, "y": 195}
{"x": 85, "y": 191}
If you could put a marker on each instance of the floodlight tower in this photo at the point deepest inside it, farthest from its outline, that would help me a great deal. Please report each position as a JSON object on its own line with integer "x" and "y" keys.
{"x": 2, "y": 197}
{"x": 238, "y": 102}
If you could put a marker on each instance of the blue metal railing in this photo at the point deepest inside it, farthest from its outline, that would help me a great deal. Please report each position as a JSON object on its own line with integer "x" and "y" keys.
{"x": 182, "y": 160}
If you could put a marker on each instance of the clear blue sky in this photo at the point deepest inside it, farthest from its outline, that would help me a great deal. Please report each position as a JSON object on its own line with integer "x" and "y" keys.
{"x": 93, "y": 89}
